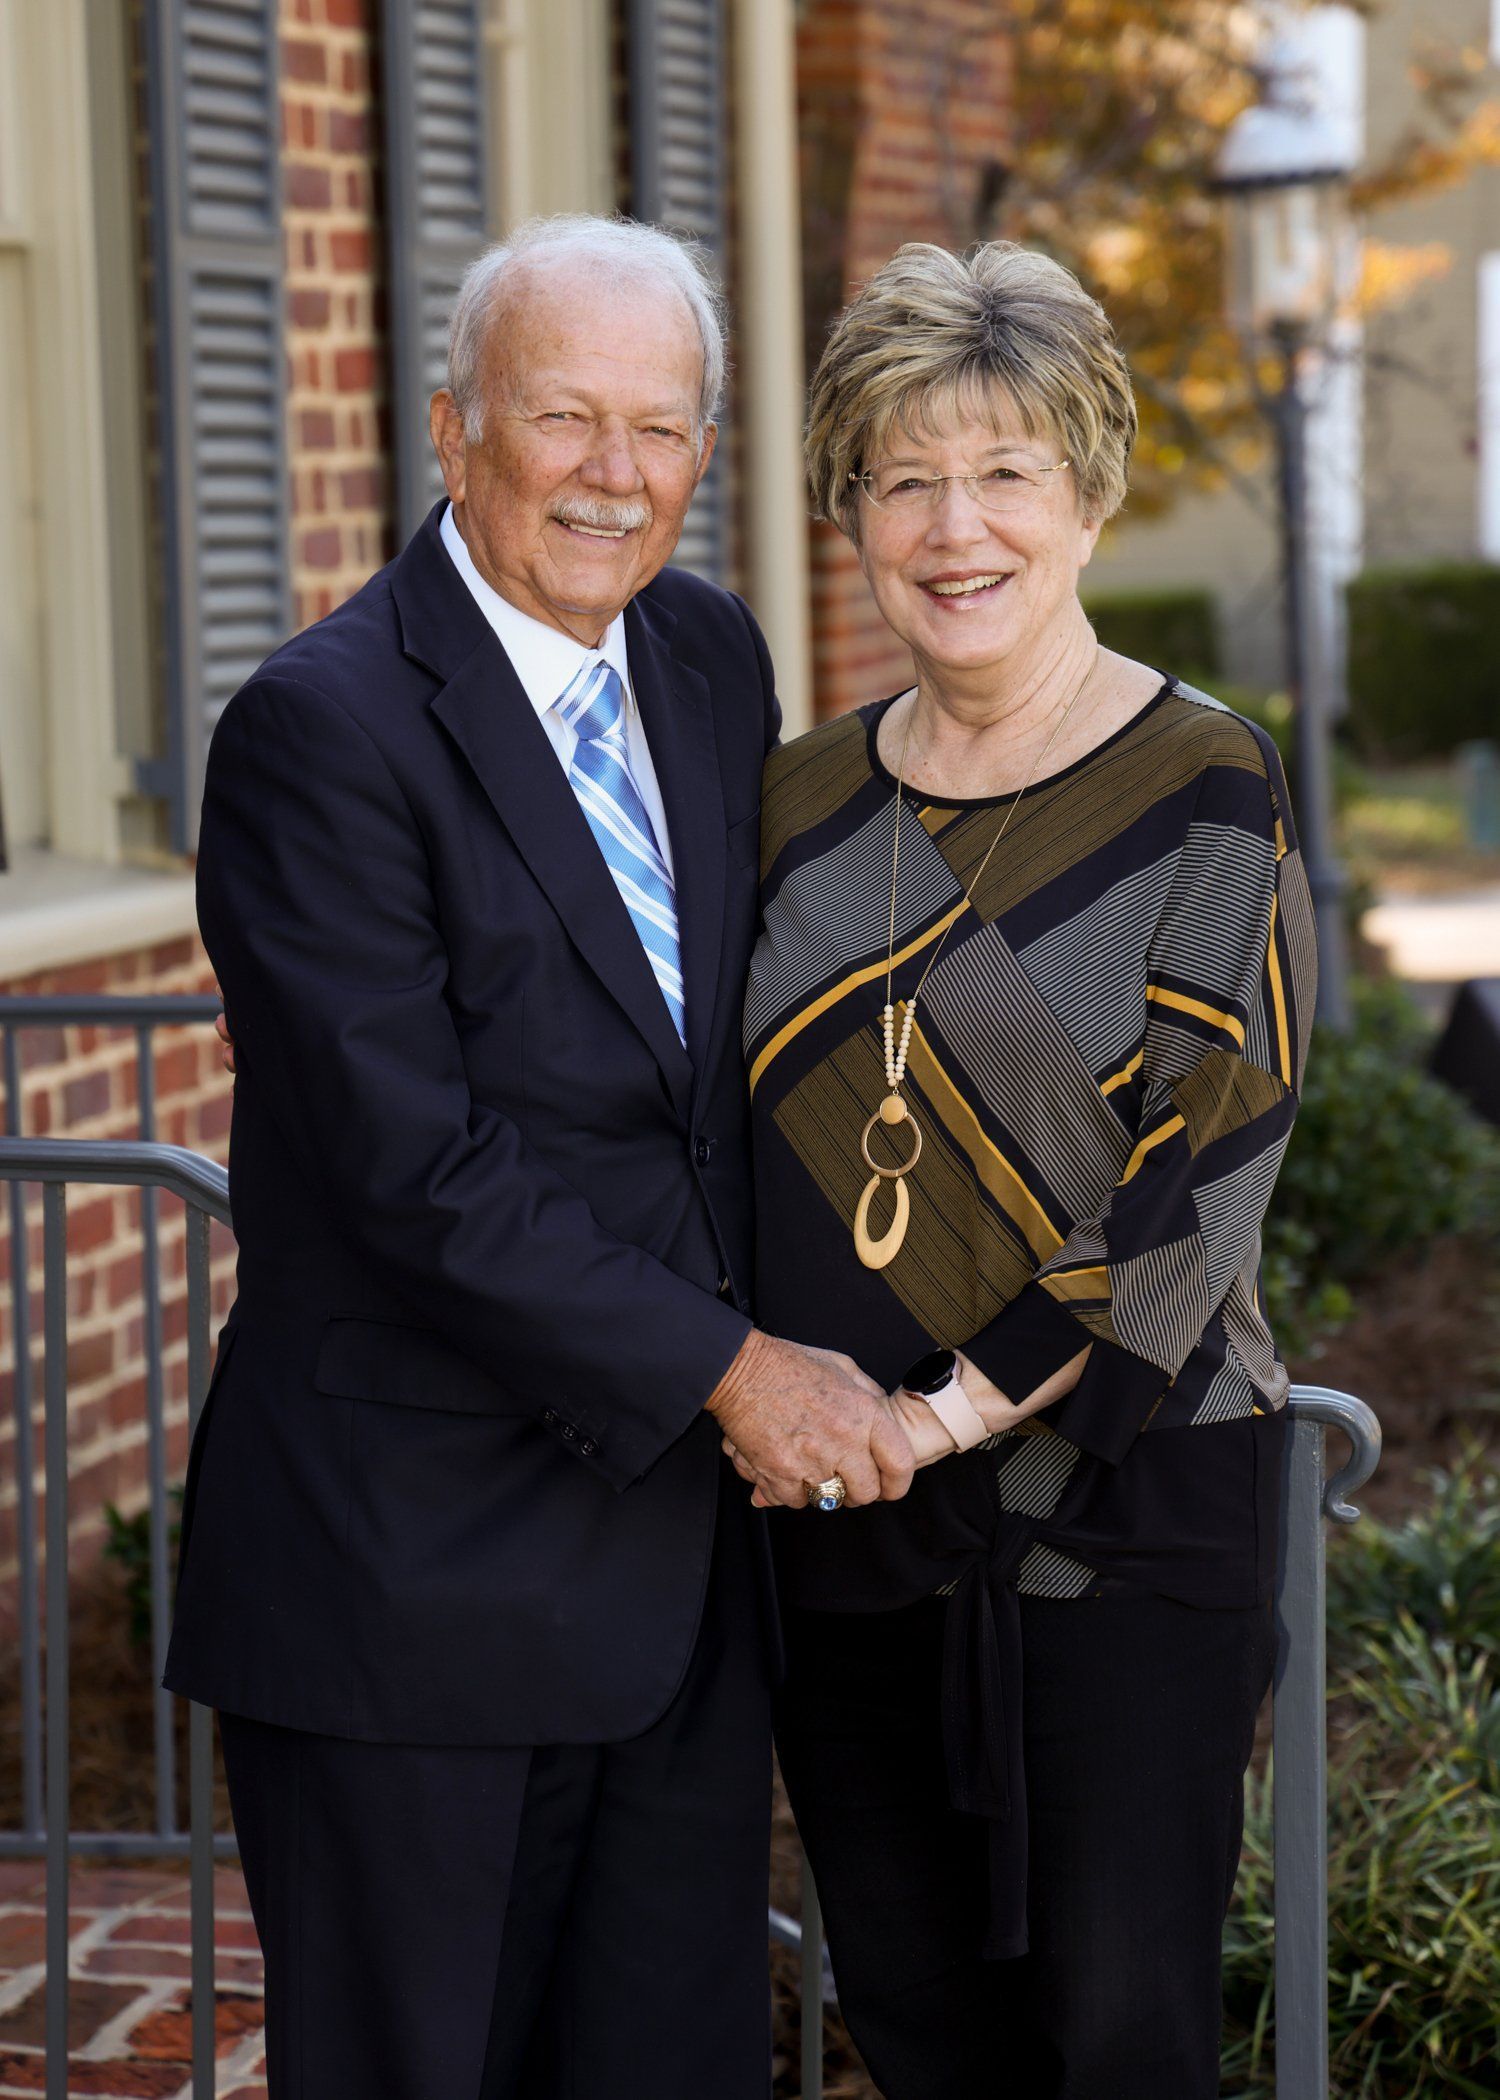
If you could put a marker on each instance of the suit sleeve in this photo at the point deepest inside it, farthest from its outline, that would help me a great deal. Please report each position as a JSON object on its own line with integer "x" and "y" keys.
{"x": 317, "y": 909}
{"x": 1229, "y": 1001}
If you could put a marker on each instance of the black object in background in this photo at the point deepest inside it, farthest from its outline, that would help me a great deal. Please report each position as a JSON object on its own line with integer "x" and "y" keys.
{"x": 1467, "y": 1054}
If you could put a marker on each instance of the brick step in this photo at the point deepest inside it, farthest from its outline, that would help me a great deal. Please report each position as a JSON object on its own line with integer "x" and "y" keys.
{"x": 129, "y": 2008}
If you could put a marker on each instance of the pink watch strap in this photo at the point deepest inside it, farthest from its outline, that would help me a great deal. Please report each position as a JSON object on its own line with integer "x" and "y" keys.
{"x": 958, "y": 1415}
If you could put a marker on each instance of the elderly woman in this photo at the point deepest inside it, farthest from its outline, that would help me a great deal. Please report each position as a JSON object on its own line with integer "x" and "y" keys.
{"x": 1025, "y": 1030}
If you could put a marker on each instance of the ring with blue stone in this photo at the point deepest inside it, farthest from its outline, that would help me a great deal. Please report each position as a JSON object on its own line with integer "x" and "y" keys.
{"x": 826, "y": 1494}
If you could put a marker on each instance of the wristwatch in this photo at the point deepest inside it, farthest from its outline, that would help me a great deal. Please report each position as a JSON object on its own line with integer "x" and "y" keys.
{"x": 934, "y": 1378}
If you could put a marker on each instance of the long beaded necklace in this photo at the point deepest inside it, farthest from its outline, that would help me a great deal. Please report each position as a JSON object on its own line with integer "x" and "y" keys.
{"x": 893, "y": 1110}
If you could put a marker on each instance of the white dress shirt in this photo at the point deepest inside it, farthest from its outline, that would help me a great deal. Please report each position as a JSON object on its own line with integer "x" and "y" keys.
{"x": 547, "y": 661}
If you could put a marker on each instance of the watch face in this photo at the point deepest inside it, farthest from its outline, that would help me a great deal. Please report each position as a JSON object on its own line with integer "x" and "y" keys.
{"x": 928, "y": 1373}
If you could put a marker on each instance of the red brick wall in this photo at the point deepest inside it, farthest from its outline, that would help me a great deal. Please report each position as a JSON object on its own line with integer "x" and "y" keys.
{"x": 81, "y": 1082}
{"x": 902, "y": 108}
{"x": 341, "y": 496}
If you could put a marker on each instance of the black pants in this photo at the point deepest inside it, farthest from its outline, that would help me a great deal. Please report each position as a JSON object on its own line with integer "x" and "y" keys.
{"x": 1138, "y": 1715}
{"x": 573, "y": 1923}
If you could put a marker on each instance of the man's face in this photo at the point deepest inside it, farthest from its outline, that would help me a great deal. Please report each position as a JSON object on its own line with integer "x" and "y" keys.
{"x": 575, "y": 495}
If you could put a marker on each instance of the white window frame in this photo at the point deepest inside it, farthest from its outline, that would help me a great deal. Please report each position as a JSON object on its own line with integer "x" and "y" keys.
{"x": 48, "y": 234}
{"x": 549, "y": 115}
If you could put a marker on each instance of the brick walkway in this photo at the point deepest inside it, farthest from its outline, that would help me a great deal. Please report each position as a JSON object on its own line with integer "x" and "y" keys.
{"x": 129, "y": 2002}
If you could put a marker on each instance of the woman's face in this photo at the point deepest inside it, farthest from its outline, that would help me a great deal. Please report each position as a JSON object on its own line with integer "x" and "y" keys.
{"x": 964, "y": 585}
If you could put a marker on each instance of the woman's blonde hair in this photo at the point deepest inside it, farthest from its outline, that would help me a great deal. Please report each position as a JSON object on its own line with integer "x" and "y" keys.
{"x": 935, "y": 334}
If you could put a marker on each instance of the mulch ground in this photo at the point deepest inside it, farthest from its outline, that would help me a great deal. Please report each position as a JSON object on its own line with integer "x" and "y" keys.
{"x": 1423, "y": 1350}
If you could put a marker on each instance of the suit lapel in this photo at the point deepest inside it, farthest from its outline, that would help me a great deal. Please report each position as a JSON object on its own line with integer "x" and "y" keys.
{"x": 678, "y": 715}
{"x": 484, "y": 708}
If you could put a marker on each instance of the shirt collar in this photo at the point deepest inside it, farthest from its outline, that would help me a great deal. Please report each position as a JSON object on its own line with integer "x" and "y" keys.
{"x": 545, "y": 660}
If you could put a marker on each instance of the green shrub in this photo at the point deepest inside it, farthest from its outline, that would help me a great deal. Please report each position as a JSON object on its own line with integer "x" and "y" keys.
{"x": 1438, "y": 1571}
{"x": 1424, "y": 657}
{"x": 129, "y": 1544}
{"x": 1383, "y": 1160}
{"x": 1420, "y": 1692}
{"x": 1414, "y": 1818}
{"x": 1413, "y": 1944}
{"x": 1176, "y": 631}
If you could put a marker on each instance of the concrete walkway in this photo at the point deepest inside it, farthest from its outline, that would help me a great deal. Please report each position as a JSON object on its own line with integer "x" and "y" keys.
{"x": 1439, "y": 940}
{"x": 129, "y": 2003}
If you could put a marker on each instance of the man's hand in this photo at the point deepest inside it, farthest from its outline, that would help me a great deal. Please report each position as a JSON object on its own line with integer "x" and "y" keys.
{"x": 221, "y": 1030}
{"x": 796, "y": 1415}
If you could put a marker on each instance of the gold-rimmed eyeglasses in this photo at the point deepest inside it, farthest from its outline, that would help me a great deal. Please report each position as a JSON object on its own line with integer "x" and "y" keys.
{"x": 1002, "y": 489}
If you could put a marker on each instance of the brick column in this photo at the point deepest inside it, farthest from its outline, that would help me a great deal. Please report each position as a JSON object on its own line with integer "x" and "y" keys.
{"x": 904, "y": 109}
{"x": 341, "y": 493}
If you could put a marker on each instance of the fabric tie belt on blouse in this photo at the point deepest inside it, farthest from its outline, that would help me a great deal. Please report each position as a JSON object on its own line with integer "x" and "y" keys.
{"x": 982, "y": 1737}
{"x": 955, "y": 1542}
{"x": 983, "y": 1740}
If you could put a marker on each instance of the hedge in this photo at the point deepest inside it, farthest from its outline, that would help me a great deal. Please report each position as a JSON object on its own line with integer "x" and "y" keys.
{"x": 1424, "y": 658}
{"x": 1176, "y": 631}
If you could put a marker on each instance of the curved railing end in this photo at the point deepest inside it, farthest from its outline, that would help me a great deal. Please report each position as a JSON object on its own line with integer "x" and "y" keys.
{"x": 1322, "y": 1403}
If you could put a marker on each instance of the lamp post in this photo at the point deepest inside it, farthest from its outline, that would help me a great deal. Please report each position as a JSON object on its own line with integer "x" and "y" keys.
{"x": 1284, "y": 171}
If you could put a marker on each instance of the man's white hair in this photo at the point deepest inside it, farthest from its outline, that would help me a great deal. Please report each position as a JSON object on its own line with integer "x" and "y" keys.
{"x": 622, "y": 250}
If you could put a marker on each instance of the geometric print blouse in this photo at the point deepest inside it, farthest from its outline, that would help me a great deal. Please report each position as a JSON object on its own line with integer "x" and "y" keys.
{"x": 1105, "y": 1066}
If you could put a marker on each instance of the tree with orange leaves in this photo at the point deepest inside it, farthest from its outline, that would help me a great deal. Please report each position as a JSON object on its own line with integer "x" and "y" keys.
{"x": 1120, "y": 108}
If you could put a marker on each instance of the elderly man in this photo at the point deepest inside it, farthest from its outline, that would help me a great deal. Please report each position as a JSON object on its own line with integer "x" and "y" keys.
{"x": 482, "y": 1608}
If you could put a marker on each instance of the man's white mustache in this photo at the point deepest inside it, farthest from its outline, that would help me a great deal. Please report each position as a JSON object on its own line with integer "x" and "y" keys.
{"x": 603, "y": 517}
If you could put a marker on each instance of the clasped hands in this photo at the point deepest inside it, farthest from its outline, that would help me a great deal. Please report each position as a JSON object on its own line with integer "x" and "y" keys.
{"x": 793, "y": 1415}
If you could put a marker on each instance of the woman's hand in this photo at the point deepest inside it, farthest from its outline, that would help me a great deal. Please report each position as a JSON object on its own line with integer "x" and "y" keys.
{"x": 221, "y": 1030}
{"x": 999, "y": 1410}
{"x": 924, "y": 1430}
{"x": 928, "y": 1438}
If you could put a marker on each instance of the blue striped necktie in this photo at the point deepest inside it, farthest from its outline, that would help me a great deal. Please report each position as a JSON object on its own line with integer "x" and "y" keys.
{"x": 594, "y": 709}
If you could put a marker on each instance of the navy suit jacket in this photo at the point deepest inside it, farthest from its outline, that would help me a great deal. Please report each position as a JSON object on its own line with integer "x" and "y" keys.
{"x": 453, "y": 1482}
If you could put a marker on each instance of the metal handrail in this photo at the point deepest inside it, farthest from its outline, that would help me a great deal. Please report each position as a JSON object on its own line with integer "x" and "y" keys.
{"x": 141, "y": 1016}
{"x": 106, "y": 1009}
{"x": 1299, "y": 1738}
{"x": 57, "y": 1163}
{"x": 122, "y": 1163}
{"x": 1311, "y": 1493}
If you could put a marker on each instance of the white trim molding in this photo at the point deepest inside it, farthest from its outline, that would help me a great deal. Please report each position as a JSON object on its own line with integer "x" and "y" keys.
{"x": 770, "y": 351}
{"x": 55, "y": 911}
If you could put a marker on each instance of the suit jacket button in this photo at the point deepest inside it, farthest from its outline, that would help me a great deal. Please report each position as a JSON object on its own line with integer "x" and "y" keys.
{"x": 568, "y": 1432}
{"x": 702, "y": 1150}
{"x": 588, "y": 1447}
{"x": 548, "y": 1416}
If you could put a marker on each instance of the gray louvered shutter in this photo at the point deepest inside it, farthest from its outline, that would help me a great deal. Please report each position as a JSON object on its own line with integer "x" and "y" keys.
{"x": 434, "y": 127}
{"x": 215, "y": 143}
{"x": 678, "y": 122}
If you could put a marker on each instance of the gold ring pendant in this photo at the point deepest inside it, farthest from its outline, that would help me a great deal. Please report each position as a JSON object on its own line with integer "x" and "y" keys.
{"x": 876, "y": 1254}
